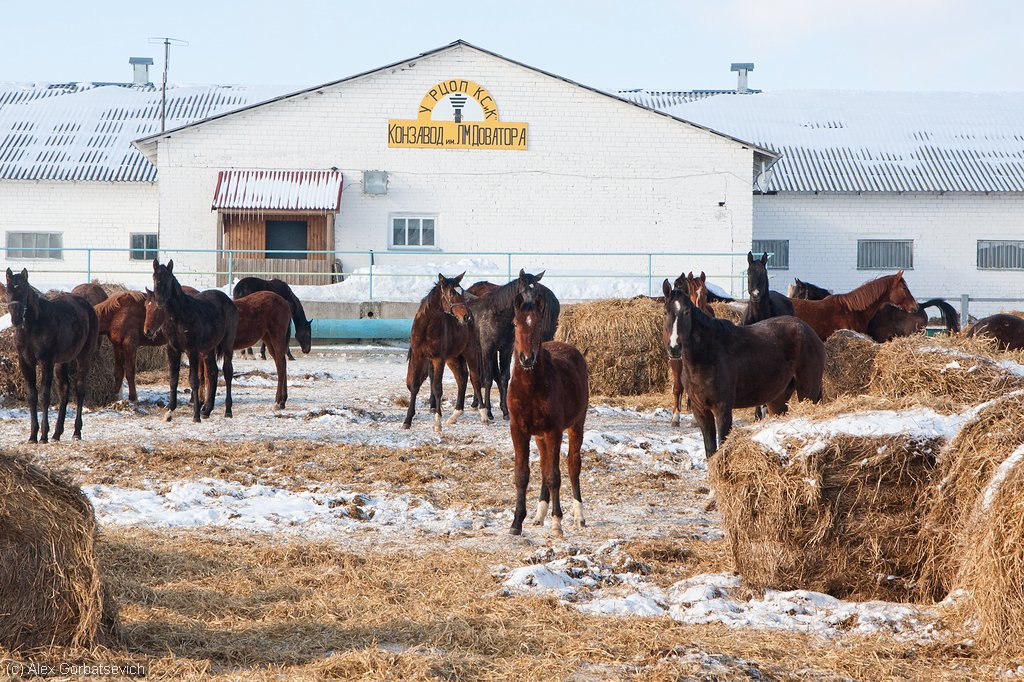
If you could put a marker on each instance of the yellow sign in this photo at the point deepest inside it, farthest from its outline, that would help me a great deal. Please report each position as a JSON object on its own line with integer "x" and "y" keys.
{"x": 457, "y": 114}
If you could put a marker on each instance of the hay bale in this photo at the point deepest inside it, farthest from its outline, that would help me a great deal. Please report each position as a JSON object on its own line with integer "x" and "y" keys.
{"x": 50, "y": 584}
{"x": 966, "y": 370}
{"x": 621, "y": 341}
{"x": 729, "y": 311}
{"x": 849, "y": 365}
{"x": 838, "y": 515}
{"x": 99, "y": 388}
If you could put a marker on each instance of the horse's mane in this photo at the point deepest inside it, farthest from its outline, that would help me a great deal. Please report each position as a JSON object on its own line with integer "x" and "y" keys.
{"x": 434, "y": 293}
{"x": 867, "y": 294}
{"x": 503, "y": 297}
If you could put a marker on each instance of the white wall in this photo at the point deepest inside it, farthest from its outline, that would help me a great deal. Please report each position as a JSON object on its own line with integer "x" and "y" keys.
{"x": 599, "y": 174}
{"x": 823, "y": 230}
{"x": 89, "y": 214}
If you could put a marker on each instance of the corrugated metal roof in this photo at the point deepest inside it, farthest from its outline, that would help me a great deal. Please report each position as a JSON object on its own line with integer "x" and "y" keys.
{"x": 836, "y": 141}
{"x": 662, "y": 99}
{"x": 275, "y": 190}
{"x": 83, "y": 131}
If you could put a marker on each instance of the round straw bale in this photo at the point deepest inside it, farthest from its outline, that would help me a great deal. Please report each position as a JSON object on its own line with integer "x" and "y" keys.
{"x": 621, "y": 341}
{"x": 967, "y": 370}
{"x": 99, "y": 388}
{"x": 50, "y": 584}
{"x": 839, "y": 514}
{"x": 849, "y": 365}
{"x": 725, "y": 310}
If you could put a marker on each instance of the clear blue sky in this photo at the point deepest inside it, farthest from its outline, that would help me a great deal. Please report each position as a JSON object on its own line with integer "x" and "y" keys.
{"x": 971, "y": 45}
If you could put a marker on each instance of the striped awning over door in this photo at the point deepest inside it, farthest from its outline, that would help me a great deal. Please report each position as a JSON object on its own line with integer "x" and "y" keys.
{"x": 278, "y": 190}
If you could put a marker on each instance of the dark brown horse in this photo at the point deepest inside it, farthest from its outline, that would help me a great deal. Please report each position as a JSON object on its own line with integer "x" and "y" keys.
{"x": 91, "y": 292}
{"x": 763, "y": 303}
{"x": 728, "y": 366}
{"x": 51, "y": 333}
{"x": 200, "y": 325}
{"x": 891, "y": 322}
{"x": 1007, "y": 330}
{"x": 442, "y": 333}
{"x": 806, "y": 291}
{"x": 548, "y": 395}
{"x": 854, "y": 310}
{"x": 122, "y": 319}
{"x": 303, "y": 326}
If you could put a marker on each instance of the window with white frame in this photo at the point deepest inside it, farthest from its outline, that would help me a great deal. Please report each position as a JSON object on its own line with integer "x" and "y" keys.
{"x": 885, "y": 254}
{"x": 35, "y": 245}
{"x": 413, "y": 231}
{"x": 144, "y": 246}
{"x": 1000, "y": 254}
{"x": 778, "y": 250}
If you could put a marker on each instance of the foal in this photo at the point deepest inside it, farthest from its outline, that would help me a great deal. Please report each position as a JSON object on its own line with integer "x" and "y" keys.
{"x": 122, "y": 319}
{"x": 548, "y": 394}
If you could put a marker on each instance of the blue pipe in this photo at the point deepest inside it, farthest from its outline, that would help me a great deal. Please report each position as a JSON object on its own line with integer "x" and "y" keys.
{"x": 366, "y": 328}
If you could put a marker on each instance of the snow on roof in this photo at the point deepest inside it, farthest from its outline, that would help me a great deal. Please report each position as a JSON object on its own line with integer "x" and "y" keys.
{"x": 83, "y": 131}
{"x": 841, "y": 141}
{"x": 278, "y": 190}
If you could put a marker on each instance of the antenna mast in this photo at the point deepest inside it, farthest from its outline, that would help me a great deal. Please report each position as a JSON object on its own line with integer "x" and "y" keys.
{"x": 167, "y": 42}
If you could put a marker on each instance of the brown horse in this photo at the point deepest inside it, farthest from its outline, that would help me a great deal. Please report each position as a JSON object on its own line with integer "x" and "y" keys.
{"x": 728, "y": 366}
{"x": 122, "y": 319}
{"x": 855, "y": 309}
{"x": 698, "y": 289}
{"x": 806, "y": 291}
{"x": 91, "y": 292}
{"x": 1007, "y": 330}
{"x": 51, "y": 333}
{"x": 547, "y": 395}
{"x": 442, "y": 333}
{"x": 891, "y": 322}
{"x": 263, "y": 316}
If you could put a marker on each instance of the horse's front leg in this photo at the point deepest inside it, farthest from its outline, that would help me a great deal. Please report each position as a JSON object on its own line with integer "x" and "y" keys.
{"x": 229, "y": 375}
{"x": 173, "y": 374}
{"x": 277, "y": 351}
{"x": 436, "y": 389}
{"x": 723, "y": 421}
{"x": 706, "y": 423}
{"x": 209, "y": 364}
{"x": 521, "y": 444}
{"x": 193, "y": 382}
{"x": 504, "y": 372}
{"x": 44, "y": 426}
{"x": 63, "y": 390}
{"x": 550, "y": 446}
{"x": 118, "y": 365}
{"x": 575, "y": 464}
{"x": 676, "y": 367}
{"x": 487, "y": 375}
{"x": 461, "y": 372}
{"x": 131, "y": 350}
{"x": 28, "y": 373}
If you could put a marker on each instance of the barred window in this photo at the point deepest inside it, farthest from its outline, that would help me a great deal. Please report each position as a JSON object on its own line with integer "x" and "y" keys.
{"x": 35, "y": 245}
{"x": 413, "y": 231}
{"x": 1000, "y": 254}
{"x": 144, "y": 246}
{"x": 885, "y": 254}
{"x": 778, "y": 250}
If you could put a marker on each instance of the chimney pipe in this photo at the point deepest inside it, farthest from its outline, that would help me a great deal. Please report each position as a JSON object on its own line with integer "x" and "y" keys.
{"x": 140, "y": 70}
{"x": 742, "y": 68}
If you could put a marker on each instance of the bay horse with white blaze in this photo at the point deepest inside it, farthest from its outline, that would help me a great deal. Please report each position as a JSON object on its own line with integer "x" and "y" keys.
{"x": 200, "y": 326}
{"x": 442, "y": 333}
{"x": 547, "y": 395}
{"x": 855, "y": 309}
{"x": 51, "y": 333}
{"x": 728, "y": 366}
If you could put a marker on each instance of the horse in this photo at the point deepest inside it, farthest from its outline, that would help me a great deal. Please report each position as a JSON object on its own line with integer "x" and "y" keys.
{"x": 204, "y": 326}
{"x": 122, "y": 319}
{"x": 699, "y": 294}
{"x": 891, "y": 322}
{"x": 855, "y": 309}
{"x": 492, "y": 317}
{"x": 728, "y": 366}
{"x": 91, "y": 292}
{"x": 51, "y": 332}
{"x": 1007, "y": 330}
{"x": 303, "y": 327}
{"x": 806, "y": 291}
{"x": 548, "y": 394}
{"x": 763, "y": 303}
{"x": 442, "y": 333}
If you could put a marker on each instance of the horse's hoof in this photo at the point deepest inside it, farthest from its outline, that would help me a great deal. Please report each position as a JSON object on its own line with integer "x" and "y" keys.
{"x": 168, "y": 416}
{"x": 505, "y": 416}
{"x": 77, "y": 436}
{"x": 515, "y": 531}
{"x": 455, "y": 417}
{"x": 484, "y": 419}
{"x": 406, "y": 426}
{"x": 542, "y": 512}
{"x": 44, "y": 439}
{"x": 675, "y": 421}
{"x": 437, "y": 422}
{"x": 55, "y": 439}
{"x": 228, "y": 415}
{"x": 278, "y": 406}
{"x": 197, "y": 420}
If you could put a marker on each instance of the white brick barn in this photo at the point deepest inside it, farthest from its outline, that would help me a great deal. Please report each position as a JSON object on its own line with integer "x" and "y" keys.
{"x": 473, "y": 152}
{"x": 868, "y": 182}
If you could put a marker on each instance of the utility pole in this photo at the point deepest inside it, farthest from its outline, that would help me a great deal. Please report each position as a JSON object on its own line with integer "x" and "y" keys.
{"x": 163, "y": 88}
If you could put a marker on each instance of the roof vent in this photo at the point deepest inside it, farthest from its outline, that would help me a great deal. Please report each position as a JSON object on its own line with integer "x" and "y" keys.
{"x": 140, "y": 69}
{"x": 742, "y": 69}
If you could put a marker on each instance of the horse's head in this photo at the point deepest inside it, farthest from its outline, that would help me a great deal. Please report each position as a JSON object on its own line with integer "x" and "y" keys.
{"x": 698, "y": 289}
{"x": 453, "y": 301}
{"x": 899, "y": 294}
{"x": 21, "y": 296}
{"x": 529, "y": 329}
{"x": 164, "y": 282}
{"x": 757, "y": 276}
{"x": 305, "y": 336}
{"x": 528, "y": 286}
{"x": 156, "y": 315}
{"x": 677, "y": 319}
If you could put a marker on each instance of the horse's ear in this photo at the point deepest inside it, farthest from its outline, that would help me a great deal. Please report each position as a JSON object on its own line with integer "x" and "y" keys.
{"x": 24, "y": 273}
{"x": 522, "y": 273}
{"x": 440, "y": 278}
{"x": 750, "y": 257}
{"x": 458, "y": 279}
{"x": 539, "y": 275}
{"x": 170, "y": 265}
{"x": 156, "y": 265}
{"x": 764, "y": 259}
{"x": 798, "y": 280}
{"x": 667, "y": 289}
{"x": 10, "y": 274}
{"x": 703, "y": 277}
{"x": 899, "y": 274}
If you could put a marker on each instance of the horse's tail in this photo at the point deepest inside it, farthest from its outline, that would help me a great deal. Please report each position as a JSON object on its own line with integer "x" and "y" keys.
{"x": 950, "y": 317}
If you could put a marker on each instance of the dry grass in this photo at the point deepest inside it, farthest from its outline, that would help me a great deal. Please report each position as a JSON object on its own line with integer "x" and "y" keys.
{"x": 729, "y": 311}
{"x": 840, "y": 517}
{"x": 50, "y": 583}
{"x": 621, "y": 341}
{"x": 99, "y": 389}
{"x": 849, "y": 365}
